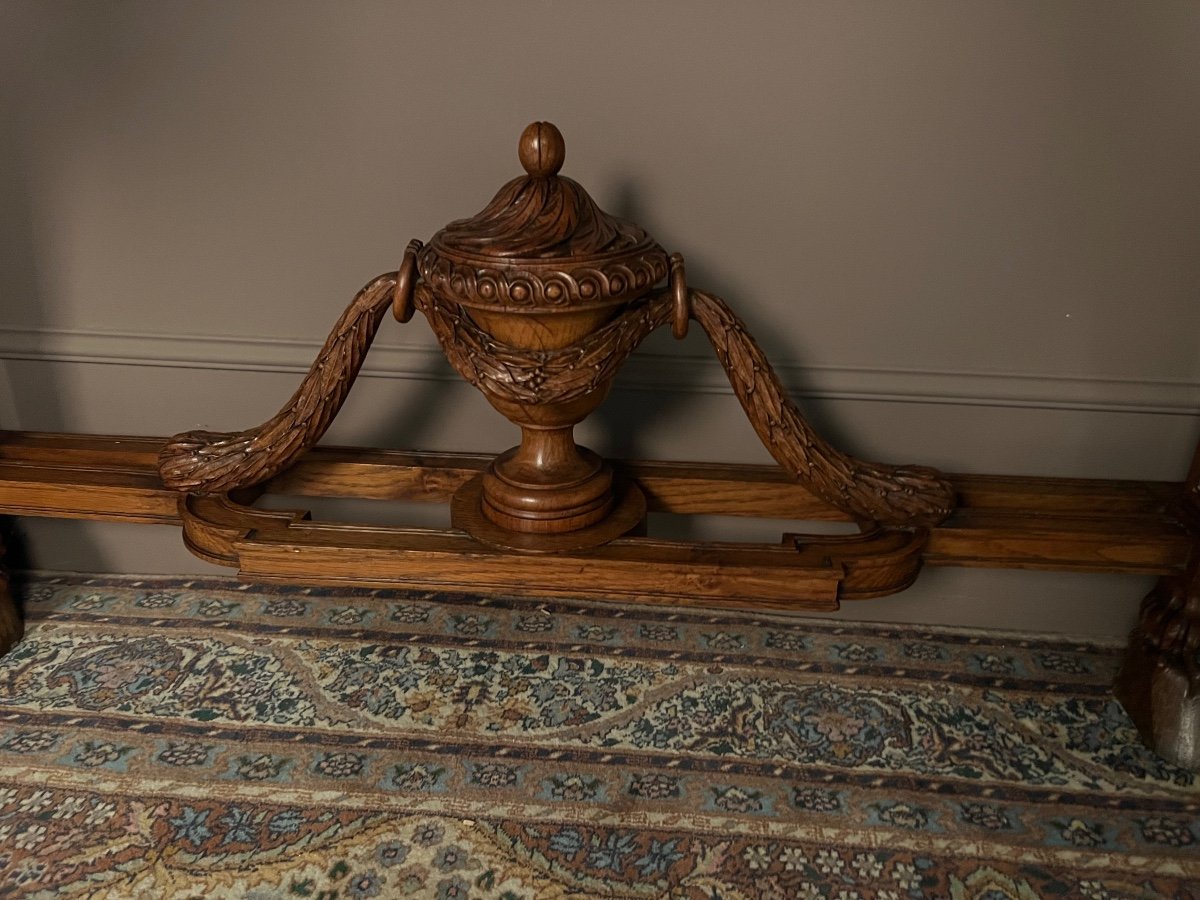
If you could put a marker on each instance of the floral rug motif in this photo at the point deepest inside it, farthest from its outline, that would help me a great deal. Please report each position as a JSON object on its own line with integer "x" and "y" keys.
{"x": 164, "y": 738}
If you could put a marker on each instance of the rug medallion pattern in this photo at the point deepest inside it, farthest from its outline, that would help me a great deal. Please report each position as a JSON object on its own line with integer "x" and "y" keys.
{"x": 203, "y": 738}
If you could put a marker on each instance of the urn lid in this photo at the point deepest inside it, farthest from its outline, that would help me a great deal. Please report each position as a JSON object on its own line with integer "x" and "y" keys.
{"x": 542, "y": 244}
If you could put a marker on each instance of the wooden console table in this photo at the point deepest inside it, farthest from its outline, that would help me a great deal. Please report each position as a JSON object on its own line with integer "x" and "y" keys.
{"x": 537, "y": 300}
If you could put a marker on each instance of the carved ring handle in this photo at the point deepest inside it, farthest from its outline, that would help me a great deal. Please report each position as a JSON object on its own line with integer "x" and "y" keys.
{"x": 682, "y": 302}
{"x": 406, "y": 283}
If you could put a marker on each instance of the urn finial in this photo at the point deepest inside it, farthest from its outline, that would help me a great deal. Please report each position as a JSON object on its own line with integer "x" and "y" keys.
{"x": 542, "y": 244}
{"x": 542, "y": 149}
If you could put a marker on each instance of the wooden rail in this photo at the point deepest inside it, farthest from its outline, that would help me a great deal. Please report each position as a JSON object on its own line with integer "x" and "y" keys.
{"x": 1002, "y": 522}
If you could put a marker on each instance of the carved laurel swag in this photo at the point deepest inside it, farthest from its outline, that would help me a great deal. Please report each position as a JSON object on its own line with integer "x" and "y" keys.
{"x": 890, "y": 495}
{"x": 538, "y": 376}
{"x": 207, "y": 462}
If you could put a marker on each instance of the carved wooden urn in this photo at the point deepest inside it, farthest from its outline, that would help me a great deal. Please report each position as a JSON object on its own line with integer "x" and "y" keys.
{"x": 537, "y": 301}
{"x": 538, "y": 271}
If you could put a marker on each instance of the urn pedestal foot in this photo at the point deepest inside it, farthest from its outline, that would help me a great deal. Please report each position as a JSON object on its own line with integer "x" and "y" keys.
{"x": 547, "y": 485}
{"x": 625, "y": 516}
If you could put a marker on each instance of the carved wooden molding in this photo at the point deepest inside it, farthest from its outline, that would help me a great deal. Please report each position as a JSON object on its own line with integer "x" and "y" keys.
{"x": 470, "y": 280}
{"x": 207, "y": 462}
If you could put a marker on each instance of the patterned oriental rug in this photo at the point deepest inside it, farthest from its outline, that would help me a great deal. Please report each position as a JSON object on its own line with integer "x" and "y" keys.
{"x": 170, "y": 738}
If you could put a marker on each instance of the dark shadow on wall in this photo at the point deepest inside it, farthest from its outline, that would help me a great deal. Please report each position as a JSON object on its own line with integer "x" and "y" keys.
{"x": 420, "y": 406}
{"x": 632, "y": 411}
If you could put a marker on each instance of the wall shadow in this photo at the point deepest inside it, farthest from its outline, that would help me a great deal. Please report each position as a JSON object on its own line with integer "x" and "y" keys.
{"x": 630, "y": 410}
{"x": 408, "y": 427}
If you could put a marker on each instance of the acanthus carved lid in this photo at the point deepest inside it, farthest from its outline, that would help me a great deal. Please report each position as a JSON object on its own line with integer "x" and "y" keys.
{"x": 542, "y": 244}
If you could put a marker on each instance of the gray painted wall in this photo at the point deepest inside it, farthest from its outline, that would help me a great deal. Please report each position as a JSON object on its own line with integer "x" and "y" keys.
{"x": 966, "y": 232}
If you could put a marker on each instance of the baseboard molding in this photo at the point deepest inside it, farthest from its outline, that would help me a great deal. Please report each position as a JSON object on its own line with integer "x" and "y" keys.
{"x": 654, "y": 372}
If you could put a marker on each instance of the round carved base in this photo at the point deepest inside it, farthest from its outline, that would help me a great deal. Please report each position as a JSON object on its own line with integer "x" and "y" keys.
{"x": 627, "y": 514}
{"x": 565, "y": 495}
